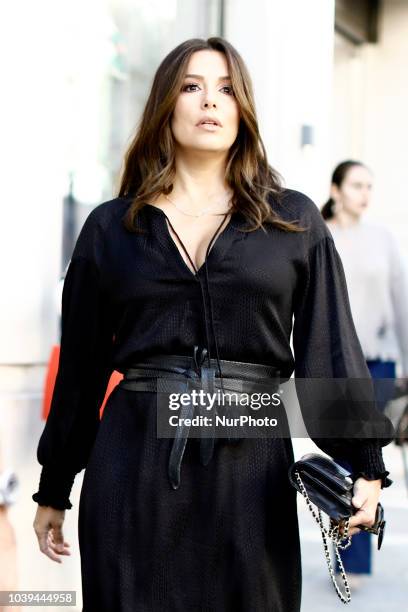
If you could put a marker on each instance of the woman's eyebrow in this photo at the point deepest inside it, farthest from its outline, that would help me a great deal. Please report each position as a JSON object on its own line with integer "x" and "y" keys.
{"x": 199, "y": 76}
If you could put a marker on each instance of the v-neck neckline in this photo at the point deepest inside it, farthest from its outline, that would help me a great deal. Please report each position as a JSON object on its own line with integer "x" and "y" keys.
{"x": 214, "y": 248}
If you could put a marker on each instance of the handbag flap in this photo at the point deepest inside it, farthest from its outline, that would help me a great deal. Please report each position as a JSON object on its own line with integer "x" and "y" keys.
{"x": 327, "y": 484}
{"x": 326, "y": 470}
{"x": 318, "y": 485}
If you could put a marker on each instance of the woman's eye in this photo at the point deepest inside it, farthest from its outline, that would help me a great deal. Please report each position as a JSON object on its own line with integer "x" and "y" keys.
{"x": 188, "y": 88}
{"x": 185, "y": 88}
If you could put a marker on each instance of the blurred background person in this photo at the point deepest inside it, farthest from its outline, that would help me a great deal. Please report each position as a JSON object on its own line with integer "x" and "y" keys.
{"x": 8, "y": 548}
{"x": 378, "y": 291}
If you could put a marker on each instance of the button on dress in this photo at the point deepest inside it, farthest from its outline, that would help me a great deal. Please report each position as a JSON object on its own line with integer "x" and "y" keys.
{"x": 227, "y": 539}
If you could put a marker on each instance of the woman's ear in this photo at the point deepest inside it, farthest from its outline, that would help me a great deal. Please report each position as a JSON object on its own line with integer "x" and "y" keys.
{"x": 334, "y": 192}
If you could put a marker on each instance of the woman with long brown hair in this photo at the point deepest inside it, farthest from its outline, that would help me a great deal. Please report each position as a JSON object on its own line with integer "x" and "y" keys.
{"x": 202, "y": 253}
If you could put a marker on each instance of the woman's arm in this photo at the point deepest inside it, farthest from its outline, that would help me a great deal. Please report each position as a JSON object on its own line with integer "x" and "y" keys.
{"x": 83, "y": 372}
{"x": 334, "y": 386}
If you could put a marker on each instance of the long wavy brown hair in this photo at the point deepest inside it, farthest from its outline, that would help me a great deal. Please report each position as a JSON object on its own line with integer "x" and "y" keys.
{"x": 149, "y": 163}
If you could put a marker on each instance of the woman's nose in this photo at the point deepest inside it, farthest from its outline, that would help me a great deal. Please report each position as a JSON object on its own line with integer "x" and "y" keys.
{"x": 209, "y": 102}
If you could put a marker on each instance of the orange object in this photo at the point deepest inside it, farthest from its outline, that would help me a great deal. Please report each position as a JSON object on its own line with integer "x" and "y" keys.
{"x": 51, "y": 376}
{"x": 50, "y": 380}
{"x": 115, "y": 378}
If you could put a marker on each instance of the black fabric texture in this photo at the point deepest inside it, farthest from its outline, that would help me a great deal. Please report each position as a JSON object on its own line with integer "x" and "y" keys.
{"x": 227, "y": 539}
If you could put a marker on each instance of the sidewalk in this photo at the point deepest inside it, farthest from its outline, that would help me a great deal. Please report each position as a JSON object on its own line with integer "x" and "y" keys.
{"x": 386, "y": 588}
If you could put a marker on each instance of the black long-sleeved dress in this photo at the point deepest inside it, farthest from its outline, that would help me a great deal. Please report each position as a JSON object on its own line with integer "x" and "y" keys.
{"x": 227, "y": 540}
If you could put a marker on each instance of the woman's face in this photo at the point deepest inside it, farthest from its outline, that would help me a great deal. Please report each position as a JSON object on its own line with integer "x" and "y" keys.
{"x": 206, "y": 91}
{"x": 354, "y": 194}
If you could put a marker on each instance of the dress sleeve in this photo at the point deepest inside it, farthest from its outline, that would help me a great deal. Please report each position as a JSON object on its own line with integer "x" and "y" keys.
{"x": 83, "y": 372}
{"x": 327, "y": 349}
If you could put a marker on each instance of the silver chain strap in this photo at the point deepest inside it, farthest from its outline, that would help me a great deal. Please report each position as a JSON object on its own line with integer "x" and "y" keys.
{"x": 333, "y": 533}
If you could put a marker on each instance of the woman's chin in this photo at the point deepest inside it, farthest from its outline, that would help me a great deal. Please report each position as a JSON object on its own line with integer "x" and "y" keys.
{"x": 205, "y": 148}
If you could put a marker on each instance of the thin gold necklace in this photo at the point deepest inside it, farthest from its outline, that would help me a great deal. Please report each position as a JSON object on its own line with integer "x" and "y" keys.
{"x": 202, "y": 212}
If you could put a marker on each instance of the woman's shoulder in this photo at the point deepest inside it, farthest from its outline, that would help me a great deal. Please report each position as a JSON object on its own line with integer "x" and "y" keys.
{"x": 293, "y": 205}
{"x": 99, "y": 226}
{"x": 377, "y": 230}
{"x": 106, "y": 213}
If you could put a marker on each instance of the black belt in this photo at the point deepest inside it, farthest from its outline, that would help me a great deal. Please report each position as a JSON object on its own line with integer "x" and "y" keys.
{"x": 179, "y": 373}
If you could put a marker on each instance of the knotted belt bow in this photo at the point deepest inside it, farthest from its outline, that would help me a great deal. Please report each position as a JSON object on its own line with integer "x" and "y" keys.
{"x": 182, "y": 374}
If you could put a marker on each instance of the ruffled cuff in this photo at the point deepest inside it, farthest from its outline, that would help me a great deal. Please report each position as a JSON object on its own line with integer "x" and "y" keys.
{"x": 54, "y": 488}
{"x": 385, "y": 482}
{"x": 367, "y": 462}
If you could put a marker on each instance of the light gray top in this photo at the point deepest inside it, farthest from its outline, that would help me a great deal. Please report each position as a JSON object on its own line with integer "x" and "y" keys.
{"x": 377, "y": 281}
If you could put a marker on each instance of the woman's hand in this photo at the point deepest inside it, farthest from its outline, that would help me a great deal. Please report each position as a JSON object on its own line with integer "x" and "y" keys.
{"x": 48, "y": 527}
{"x": 366, "y": 497}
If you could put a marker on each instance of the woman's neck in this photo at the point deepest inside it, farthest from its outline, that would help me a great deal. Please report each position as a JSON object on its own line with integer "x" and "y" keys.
{"x": 344, "y": 220}
{"x": 200, "y": 178}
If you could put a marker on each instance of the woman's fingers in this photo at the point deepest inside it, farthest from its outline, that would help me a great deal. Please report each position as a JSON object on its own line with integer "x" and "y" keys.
{"x": 45, "y": 547}
{"x": 57, "y": 540}
{"x": 364, "y": 516}
{"x": 53, "y": 551}
{"x": 352, "y": 530}
{"x": 60, "y": 549}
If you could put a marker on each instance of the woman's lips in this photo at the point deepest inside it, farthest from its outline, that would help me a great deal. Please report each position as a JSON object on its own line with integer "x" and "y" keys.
{"x": 209, "y": 127}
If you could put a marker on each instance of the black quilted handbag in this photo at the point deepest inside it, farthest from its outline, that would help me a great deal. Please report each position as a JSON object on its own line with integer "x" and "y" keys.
{"x": 329, "y": 486}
